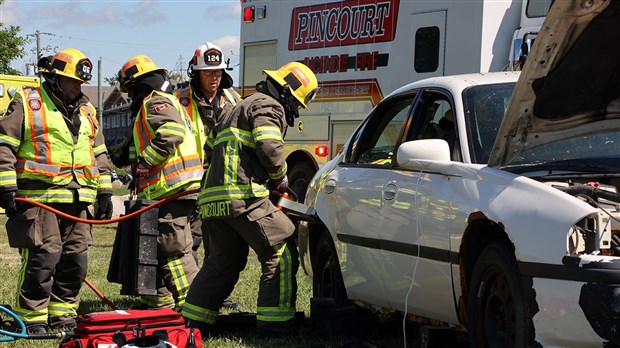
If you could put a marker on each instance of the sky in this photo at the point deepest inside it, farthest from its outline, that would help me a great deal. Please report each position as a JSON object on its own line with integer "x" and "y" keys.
{"x": 112, "y": 31}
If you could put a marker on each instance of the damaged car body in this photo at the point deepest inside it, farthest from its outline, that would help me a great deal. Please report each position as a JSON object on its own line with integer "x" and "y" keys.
{"x": 507, "y": 228}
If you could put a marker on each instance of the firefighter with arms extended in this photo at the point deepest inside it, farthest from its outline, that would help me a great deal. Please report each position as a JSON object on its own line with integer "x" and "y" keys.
{"x": 210, "y": 92}
{"x": 246, "y": 155}
{"x": 165, "y": 161}
{"x": 52, "y": 151}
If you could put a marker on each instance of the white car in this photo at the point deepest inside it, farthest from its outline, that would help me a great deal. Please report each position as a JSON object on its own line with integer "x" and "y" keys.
{"x": 509, "y": 230}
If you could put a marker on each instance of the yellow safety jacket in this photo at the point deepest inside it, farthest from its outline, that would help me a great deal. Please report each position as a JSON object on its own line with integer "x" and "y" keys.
{"x": 181, "y": 170}
{"x": 48, "y": 153}
{"x": 186, "y": 98}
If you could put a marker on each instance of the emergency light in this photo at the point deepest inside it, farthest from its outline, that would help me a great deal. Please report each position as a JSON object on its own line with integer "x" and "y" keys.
{"x": 248, "y": 14}
{"x": 321, "y": 151}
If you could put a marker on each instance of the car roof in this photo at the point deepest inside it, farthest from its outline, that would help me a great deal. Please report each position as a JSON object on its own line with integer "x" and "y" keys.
{"x": 458, "y": 83}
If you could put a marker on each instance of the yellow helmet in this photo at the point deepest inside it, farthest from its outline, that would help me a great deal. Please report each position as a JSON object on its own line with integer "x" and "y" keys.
{"x": 69, "y": 62}
{"x": 300, "y": 79}
{"x": 135, "y": 67}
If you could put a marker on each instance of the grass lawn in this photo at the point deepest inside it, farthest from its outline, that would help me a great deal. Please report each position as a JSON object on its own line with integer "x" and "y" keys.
{"x": 245, "y": 293}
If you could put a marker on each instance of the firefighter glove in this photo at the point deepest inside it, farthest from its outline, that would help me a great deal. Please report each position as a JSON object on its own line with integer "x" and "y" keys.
{"x": 279, "y": 185}
{"x": 7, "y": 201}
{"x": 104, "y": 206}
{"x": 143, "y": 169}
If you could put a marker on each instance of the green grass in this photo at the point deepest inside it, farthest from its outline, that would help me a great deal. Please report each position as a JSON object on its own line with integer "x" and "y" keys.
{"x": 245, "y": 293}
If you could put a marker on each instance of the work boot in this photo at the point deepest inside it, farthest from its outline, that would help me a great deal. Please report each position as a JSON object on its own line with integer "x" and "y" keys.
{"x": 67, "y": 324}
{"x": 36, "y": 329}
{"x": 230, "y": 304}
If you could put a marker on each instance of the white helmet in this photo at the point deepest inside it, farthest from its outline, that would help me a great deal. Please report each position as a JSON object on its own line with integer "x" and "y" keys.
{"x": 208, "y": 57}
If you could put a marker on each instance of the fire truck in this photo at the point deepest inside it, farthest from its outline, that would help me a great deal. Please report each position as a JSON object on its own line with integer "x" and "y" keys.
{"x": 361, "y": 50}
{"x": 9, "y": 84}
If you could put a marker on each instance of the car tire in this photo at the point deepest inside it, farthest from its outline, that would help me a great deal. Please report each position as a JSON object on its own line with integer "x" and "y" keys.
{"x": 327, "y": 280}
{"x": 498, "y": 301}
{"x": 299, "y": 178}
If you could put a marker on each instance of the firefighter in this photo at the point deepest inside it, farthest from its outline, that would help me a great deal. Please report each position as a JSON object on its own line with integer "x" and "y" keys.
{"x": 52, "y": 151}
{"x": 165, "y": 161}
{"x": 245, "y": 152}
{"x": 210, "y": 92}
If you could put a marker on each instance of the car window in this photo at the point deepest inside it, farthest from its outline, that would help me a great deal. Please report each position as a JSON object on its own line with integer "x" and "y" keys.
{"x": 435, "y": 119}
{"x": 375, "y": 142}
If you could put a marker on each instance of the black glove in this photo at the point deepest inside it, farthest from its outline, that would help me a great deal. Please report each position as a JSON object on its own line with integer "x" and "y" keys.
{"x": 104, "y": 207}
{"x": 7, "y": 201}
{"x": 279, "y": 185}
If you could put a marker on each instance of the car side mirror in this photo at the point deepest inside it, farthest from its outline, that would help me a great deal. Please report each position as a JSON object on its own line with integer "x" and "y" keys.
{"x": 426, "y": 154}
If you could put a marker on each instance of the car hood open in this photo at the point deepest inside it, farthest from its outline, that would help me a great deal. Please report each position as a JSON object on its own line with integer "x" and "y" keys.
{"x": 570, "y": 84}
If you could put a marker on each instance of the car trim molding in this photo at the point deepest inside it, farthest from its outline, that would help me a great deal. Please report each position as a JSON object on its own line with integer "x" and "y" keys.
{"x": 424, "y": 252}
{"x": 527, "y": 269}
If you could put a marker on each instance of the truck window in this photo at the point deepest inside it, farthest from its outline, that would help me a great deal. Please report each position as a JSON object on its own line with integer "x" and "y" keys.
{"x": 426, "y": 57}
{"x": 538, "y": 8}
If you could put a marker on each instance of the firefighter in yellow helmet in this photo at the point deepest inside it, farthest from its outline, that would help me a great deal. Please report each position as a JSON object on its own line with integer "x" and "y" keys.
{"x": 165, "y": 161}
{"x": 52, "y": 151}
{"x": 246, "y": 155}
{"x": 210, "y": 92}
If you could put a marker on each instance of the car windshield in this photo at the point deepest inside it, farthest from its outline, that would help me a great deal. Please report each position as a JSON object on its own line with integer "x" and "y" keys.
{"x": 485, "y": 106}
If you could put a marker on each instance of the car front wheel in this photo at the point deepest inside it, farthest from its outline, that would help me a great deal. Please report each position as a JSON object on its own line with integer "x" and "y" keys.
{"x": 498, "y": 311}
{"x": 327, "y": 280}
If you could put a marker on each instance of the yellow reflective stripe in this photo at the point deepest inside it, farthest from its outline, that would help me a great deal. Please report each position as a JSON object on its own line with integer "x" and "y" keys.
{"x": 236, "y": 134}
{"x": 8, "y": 178}
{"x": 25, "y": 314}
{"x": 154, "y": 301}
{"x": 105, "y": 182}
{"x": 62, "y": 309}
{"x": 179, "y": 278}
{"x": 12, "y": 142}
{"x": 203, "y": 315}
{"x": 275, "y": 314}
{"x": 286, "y": 275}
{"x": 231, "y": 163}
{"x": 151, "y": 156}
{"x": 223, "y": 192}
{"x": 268, "y": 132}
{"x": 100, "y": 149}
{"x": 279, "y": 174}
{"x": 58, "y": 195}
{"x": 172, "y": 128}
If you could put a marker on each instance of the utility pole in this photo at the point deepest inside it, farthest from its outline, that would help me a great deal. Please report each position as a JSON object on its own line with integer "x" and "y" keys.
{"x": 37, "y": 35}
{"x": 99, "y": 92}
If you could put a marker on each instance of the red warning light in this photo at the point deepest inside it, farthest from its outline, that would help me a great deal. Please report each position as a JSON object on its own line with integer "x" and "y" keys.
{"x": 321, "y": 151}
{"x": 248, "y": 14}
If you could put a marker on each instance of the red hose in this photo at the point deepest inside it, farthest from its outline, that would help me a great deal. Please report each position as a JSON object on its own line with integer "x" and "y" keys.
{"x": 103, "y": 222}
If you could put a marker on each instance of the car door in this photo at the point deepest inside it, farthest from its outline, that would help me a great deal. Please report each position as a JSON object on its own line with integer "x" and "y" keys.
{"x": 357, "y": 185}
{"x": 417, "y": 221}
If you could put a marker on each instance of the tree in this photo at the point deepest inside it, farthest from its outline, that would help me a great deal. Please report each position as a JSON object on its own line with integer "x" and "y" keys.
{"x": 12, "y": 47}
{"x": 111, "y": 81}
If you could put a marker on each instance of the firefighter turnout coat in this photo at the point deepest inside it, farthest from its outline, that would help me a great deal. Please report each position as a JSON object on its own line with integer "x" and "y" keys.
{"x": 57, "y": 158}
{"x": 245, "y": 150}
{"x": 163, "y": 137}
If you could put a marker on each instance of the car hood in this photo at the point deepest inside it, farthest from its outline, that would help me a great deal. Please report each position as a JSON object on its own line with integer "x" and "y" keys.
{"x": 570, "y": 84}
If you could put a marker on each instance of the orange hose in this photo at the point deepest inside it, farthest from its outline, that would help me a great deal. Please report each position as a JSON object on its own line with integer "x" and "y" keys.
{"x": 103, "y": 222}
{"x": 100, "y": 294}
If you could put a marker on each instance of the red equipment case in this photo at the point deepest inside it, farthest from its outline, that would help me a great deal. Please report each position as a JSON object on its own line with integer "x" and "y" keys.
{"x": 114, "y": 328}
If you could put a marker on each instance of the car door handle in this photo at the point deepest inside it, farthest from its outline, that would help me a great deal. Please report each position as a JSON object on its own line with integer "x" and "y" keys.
{"x": 389, "y": 192}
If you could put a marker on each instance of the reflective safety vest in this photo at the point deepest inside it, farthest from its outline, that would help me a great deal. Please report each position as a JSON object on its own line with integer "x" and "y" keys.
{"x": 48, "y": 153}
{"x": 186, "y": 98}
{"x": 180, "y": 170}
